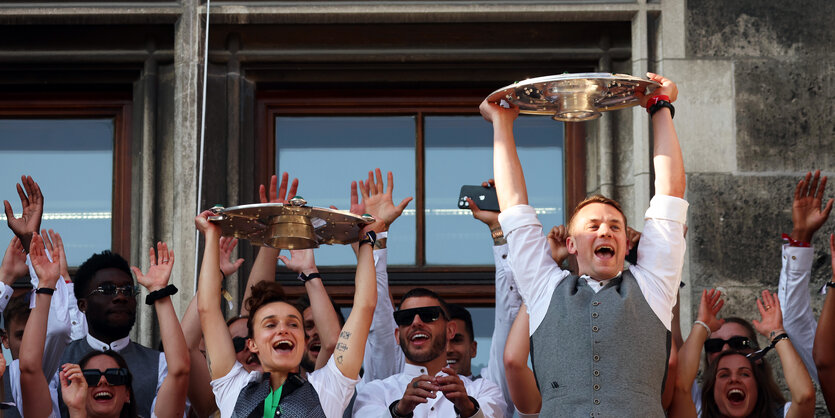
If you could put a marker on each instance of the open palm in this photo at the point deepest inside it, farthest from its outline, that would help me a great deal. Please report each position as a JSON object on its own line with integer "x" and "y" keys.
{"x": 160, "y": 271}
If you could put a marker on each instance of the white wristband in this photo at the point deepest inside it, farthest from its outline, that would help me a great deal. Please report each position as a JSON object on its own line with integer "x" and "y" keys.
{"x": 707, "y": 328}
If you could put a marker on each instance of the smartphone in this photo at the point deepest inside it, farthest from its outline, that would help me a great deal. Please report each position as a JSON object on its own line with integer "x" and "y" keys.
{"x": 484, "y": 197}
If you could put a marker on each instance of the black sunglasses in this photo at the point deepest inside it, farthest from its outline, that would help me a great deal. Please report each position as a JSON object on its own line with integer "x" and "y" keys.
{"x": 714, "y": 345}
{"x": 114, "y": 377}
{"x": 239, "y": 343}
{"x": 427, "y": 314}
{"x": 110, "y": 289}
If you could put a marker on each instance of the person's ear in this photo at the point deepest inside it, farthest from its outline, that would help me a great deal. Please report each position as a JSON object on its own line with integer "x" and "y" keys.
{"x": 451, "y": 329}
{"x": 250, "y": 344}
{"x": 474, "y": 349}
{"x": 571, "y": 245}
{"x": 82, "y": 305}
{"x": 397, "y": 334}
{"x": 5, "y": 339}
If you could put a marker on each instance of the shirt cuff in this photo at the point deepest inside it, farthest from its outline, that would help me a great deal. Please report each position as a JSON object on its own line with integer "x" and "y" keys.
{"x": 670, "y": 208}
{"x": 798, "y": 258}
{"x": 516, "y": 217}
{"x": 5, "y": 294}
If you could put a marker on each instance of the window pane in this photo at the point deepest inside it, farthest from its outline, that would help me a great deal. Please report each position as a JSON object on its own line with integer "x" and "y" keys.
{"x": 327, "y": 153}
{"x": 459, "y": 151}
{"x": 72, "y": 161}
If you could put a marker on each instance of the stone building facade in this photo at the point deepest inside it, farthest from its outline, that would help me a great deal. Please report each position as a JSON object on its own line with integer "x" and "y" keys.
{"x": 755, "y": 109}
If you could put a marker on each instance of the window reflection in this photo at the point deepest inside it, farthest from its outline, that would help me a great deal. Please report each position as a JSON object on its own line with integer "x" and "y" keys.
{"x": 327, "y": 153}
{"x": 72, "y": 161}
{"x": 459, "y": 151}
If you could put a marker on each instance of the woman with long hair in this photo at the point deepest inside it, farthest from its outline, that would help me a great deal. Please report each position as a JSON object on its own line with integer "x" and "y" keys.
{"x": 737, "y": 381}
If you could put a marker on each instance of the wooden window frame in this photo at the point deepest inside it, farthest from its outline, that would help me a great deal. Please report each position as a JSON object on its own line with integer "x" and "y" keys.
{"x": 117, "y": 106}
{"x": 477, "y": 289}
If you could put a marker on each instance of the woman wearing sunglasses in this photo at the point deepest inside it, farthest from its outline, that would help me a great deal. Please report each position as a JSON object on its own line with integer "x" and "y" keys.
{"x": 99, "y": 386}
{"x": 277, "y": 337}
{"x": 737, "y": 381}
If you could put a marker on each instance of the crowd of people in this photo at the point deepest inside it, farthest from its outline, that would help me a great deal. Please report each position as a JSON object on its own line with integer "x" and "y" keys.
{"x": 592, "y": 304}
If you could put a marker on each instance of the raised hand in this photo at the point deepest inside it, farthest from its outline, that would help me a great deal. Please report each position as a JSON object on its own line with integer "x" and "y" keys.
{"x": 14, "y": 262}
{"x": 771, "y": 322}
{"x": 281, "y": 195}
{"x": 160, "y": 271}
{"x": 488, "y": 217}
{"x": 300, "y": 261}
{"x": 556, "y": 242}
{"x": 494, "y": 113}
{"x": 205, "y": 226}
{"x": 807, "y": 214}
{"x": 377, "y": 198}
{"x": 709, "y": 306}
{"x": 30, "y": 219}
{"x": 632, "y": 237}
{"x": 454, "y": 390}
{"x": 227, "y": 266}
{"x": 53, "y": 243}
{"x": 47, "y": 271}
{"x": 668, "y": 88}
{"x": 73, "y": 387}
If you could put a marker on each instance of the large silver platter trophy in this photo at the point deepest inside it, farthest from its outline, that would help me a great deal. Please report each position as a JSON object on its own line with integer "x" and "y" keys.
{"x": 291, "y": 226}
{"x": 573, "y": 97}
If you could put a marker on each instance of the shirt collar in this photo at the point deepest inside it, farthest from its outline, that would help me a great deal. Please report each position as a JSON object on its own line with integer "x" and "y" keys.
{"x": 599, "y": 283}
{"x": 415, "y": 370}
{"x": 116, "y": 346}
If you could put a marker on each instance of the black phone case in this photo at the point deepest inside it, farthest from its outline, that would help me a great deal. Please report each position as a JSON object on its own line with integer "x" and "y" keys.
{"x": 484, "y": 197}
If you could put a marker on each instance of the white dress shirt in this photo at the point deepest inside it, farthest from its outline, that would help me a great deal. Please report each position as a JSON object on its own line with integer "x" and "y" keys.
{"x": 795, "y": 302}
{"x": 508, "y": 302}
{"x": 374, "y": 398}
{"x": 383, "y": 356}
{"x": 335, "y": 390}
{"x": 658, "y": 270}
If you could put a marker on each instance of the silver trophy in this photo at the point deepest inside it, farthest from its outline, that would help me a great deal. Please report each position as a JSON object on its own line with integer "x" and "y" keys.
{"x": 573, "y": 97}
{"x": 291, "y": 226}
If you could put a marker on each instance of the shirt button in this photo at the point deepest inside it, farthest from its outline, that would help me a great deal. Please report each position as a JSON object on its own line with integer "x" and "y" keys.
{"x": 595, "y": 303}
{"x": 423, "y": 371}
{"x": 594, "y": 315}
{"x": 597, "y": 372}
{"x": 594, "y": 328}
{"x": 596, "y": 387}
{"x": 432, "y": 408}
{"x": 597, "y": 401}
{"x": 794, "y": 257}
{"x": 73, "y": 322}
{"x": 596, "y": 357}
{"x": 504, "y": 255}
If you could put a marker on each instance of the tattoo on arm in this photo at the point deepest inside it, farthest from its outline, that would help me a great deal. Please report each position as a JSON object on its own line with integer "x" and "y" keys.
{"x": 339, "y": 359}
{"x": 344, "y": 334}
{"x": 341, "y": 346}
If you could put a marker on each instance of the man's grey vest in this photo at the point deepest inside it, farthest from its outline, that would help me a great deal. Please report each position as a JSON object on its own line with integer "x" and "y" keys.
{"x": 298, "y": 399}
{"x": 7, "y": 397}
{"x": 143, "y": 363}
{"x": 600, "y": 354}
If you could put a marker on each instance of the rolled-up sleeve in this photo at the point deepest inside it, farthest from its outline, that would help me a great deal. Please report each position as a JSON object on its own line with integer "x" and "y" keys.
{"x": 795, "y": 302}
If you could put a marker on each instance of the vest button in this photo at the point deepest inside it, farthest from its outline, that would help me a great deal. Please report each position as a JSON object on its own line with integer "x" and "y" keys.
{"x": 594, "y": 328}
{"x": 597, "y": 401}
{"x": 596, "y": 387}
{"x": 594, "y": 315}
{"x": 596, "y": 357}
{"x": 597, "y": 372}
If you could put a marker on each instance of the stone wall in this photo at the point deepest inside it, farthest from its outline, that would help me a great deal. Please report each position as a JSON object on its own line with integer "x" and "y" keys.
{"x": 740, "y": 187}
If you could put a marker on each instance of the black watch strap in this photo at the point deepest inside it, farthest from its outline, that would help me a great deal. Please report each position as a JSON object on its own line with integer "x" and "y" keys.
{"x": 370, "y": 238}
{"x": 475, "y": 404}
{"x": 45, "y": 291}
{"x": 393, "y": 411}
{"x": 660, "y": 104}
{"x": 305, "y": 278}
{"x": 159, "y": 294}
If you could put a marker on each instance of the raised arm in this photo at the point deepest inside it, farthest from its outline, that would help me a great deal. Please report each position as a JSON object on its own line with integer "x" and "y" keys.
{"x": 808, "y": 215}
{"x": 263, "y": 269}
{"x": 12, "y": 268}
{"x": 171, "y": 398}
{"x": 324, "y": 315}
{"x": 31, "y": 200}
{"x": 352, "y": 338}
{"x": 800, "y": 385}
{"x": 521, "y": 381}
{"x": 383, "y": 356}
{"x": 667, "y": 160}
{"x": 220, "y": 352}
{"x": 507, "y": 169}
{"x": 688, "y": 356}
{"x": 824, "y": 348}
{"x": 33, "y": 383}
